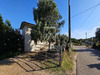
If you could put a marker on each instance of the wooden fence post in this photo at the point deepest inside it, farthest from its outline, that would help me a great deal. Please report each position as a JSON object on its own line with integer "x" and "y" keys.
{"x": 60, "y": 56}
{"x": 45, "y": 55}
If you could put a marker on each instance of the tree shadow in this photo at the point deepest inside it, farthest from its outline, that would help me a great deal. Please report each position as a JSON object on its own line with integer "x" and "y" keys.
{"x": 32, "y": 62}
{"x": 41, "y": 56}
{"x": 95, "y": 66}
{"x": 38, "y": 65}
{"x": 93, "y": 52}
{"x": 7, "y": 62}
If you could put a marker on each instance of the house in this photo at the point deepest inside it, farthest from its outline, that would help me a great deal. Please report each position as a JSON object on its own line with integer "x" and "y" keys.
{"x": 29, "y": 44}
{"x": 89, "y": 42}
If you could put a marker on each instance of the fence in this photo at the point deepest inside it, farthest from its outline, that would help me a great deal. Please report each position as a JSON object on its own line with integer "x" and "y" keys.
{"x": 54, "y": 53}
{"x": 50, "y": 54}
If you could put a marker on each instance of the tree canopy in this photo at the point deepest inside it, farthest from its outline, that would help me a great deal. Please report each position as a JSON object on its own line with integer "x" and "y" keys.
{"x": 61, "y": 40}
{"x": 46, "y": 15}
{"x": 8, "y": 23}
{"x": 11, "y": 41}
{"x": 98, "y": 34}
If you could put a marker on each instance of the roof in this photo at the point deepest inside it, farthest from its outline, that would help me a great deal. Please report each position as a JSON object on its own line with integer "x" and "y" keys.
{"x": 26, "y": 24}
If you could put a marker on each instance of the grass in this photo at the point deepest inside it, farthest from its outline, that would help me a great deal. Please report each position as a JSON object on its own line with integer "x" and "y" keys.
{"x": 77, "y": 44}
{"x": 67, "y": 65}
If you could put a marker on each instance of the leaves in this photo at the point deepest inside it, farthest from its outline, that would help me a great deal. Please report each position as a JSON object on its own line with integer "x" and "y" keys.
{"x": 10, "y": 40}
{"x": 8, "y": 23}
{"x": 98, "y": 34}
{"x": 46, "y": 15}
{"x": 61, "y": 40}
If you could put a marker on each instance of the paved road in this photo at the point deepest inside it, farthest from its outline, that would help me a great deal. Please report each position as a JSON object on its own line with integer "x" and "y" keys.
{"x": 88, "y": 61}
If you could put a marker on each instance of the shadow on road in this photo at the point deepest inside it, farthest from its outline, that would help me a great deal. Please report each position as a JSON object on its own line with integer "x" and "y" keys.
{"x": 92, "y": 52}
{"x": 95, "y": 66}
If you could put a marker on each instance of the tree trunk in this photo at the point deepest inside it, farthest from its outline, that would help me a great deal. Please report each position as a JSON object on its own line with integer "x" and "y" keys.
{"x": 49, "y": 44}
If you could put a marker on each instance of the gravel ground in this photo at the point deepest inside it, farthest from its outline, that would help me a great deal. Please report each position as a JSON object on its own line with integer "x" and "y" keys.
{"x": 88, "y": 61}
{"x": 22, "y": 65}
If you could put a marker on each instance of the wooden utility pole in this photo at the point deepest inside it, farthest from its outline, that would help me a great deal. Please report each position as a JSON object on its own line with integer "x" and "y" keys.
{"x": 86, "y": 35}
{"x": 69, "y": 26}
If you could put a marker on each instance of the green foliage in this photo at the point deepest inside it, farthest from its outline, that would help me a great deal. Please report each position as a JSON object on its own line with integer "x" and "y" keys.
{"x": 98, "y": 34}
{"x": 67, "y": 62}
{"x": 1, "y": 24}
{"x": 8, "y": 23}
{"x": 1, "y": 20}
{"x": 96, "y": 39}
{"x": 96, "y": 45}
{"x": 11, "y": 41}
{"x": 75, "y": 41}
{"x": 8, "y": 55}
{"x": 61, "y": 40}
{"x": 46, "y": 15}
{"x": 36, "y": 34}
{"x": 78, "y": 41}
{"x": 66, "y": 67}
{"x": 82, "y": 41}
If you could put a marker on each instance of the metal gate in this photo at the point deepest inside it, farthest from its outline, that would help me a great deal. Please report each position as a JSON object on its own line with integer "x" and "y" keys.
{"x": 55, "y": 53}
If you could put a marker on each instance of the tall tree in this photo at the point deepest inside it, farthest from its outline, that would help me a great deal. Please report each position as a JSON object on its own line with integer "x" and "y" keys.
{"x": 1, "y": 20}
{"x": 1, "y": 23}
{"x": 8, "y": 23}
{"x": 98, "y": 34}
{"x": 11, "y": 41}
{"x": 47, "y": 15}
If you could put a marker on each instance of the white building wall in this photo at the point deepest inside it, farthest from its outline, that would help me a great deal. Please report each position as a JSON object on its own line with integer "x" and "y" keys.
{"x": 29, "y": 44}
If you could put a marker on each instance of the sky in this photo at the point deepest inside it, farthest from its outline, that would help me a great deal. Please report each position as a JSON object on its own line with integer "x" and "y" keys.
{"x": 18, "y": 11}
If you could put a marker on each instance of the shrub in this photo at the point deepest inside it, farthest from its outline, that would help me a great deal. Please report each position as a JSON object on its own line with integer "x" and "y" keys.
{"x": 11, "y": 41}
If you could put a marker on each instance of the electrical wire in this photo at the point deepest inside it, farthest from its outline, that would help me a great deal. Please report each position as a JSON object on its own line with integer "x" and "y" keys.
{"x": 94, "y": 7}
{"x": 86, "y": 10}
{"x": 87, "y": 18}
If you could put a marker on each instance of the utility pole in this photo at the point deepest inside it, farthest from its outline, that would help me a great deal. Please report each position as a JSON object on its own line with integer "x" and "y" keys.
{"x": 69, "y": 26}
{"x": 86, "y": 35}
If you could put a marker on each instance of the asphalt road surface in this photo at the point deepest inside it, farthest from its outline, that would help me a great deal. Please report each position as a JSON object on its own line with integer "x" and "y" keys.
{"x": 88, "y": 61}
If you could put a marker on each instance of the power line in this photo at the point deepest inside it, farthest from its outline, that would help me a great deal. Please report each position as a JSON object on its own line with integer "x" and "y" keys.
{"x": 87, "y": 18}
{"x": 86, "y": 10}
{"x": 89, "y": 15}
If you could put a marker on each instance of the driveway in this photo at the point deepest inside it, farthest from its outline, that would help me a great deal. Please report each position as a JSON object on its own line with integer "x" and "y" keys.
{"x": 88, "y": 61}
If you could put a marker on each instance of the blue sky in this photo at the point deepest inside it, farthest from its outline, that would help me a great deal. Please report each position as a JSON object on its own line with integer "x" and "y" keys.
{"x": 22, "y": 10}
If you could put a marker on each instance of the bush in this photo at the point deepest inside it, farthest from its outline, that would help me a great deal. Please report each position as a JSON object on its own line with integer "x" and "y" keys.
{"x": 62, "y": 40}
{"x": 11, "y": 44}
{"x": 96, "y": 46}
{"x": 11, "y": 41}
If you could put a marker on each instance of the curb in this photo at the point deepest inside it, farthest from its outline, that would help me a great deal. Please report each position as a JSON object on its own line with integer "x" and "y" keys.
{"x": 75, "y": 63}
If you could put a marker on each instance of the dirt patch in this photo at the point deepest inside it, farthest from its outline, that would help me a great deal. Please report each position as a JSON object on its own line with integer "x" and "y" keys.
{"x": 31, "y": 64}
{"x": 25, "y": 64}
